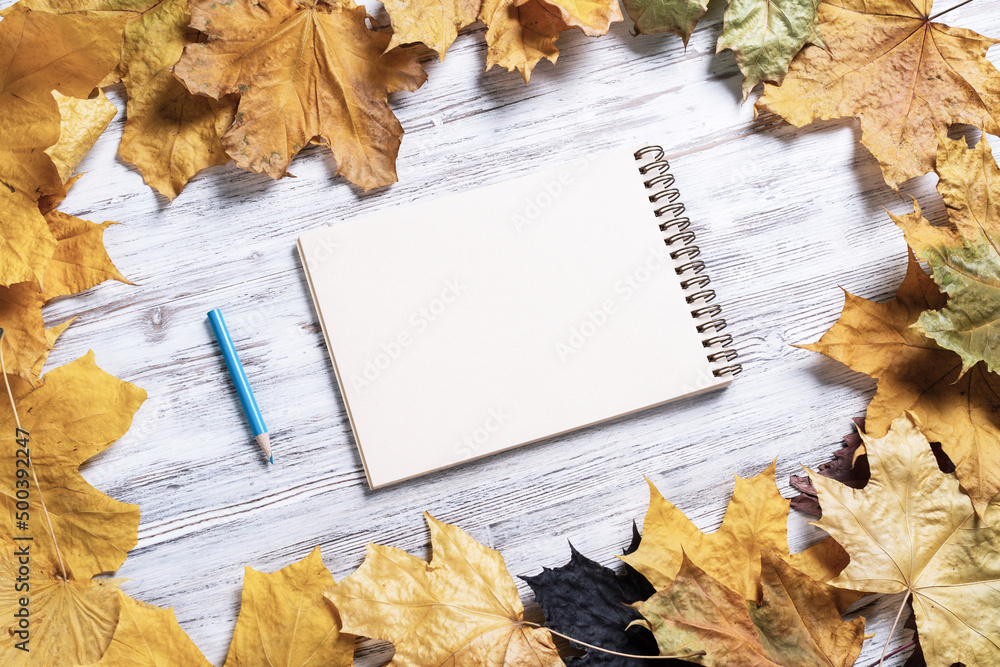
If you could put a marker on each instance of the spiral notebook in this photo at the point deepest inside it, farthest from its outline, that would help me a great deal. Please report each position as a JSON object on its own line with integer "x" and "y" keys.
{"x": 475, "y": 323}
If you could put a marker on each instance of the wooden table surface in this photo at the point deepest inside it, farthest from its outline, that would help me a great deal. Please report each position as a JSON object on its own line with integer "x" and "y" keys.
{"x": 785, "y": 218}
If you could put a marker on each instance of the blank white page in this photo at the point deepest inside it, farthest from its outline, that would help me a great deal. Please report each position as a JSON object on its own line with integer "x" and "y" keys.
{"x": 471, "y": 324}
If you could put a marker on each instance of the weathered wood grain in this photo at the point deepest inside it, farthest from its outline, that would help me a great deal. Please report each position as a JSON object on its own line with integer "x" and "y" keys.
{"x": 785, "y": 217}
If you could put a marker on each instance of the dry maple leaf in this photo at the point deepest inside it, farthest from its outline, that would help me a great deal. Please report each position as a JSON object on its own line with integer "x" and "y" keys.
{"x": 520, "y": 33}
{"x": 304, "y": 72}
{"x": 794, "y": 624}
{"x": 170, "y": 134}
{"x": 24, "y": 342}
{"x": 756, "y": 519}
{"x": 962, "y": 412}
{"x": 905, "y": 78}
{"x": 964, "y": 258}
{"x": 78, "y": 411}
{"x": 433, "y": 22}
{"x": 765, "y": 35}
{"x": 25, "y": 242}
{"x": 592, "y": 17}
{"x": 911, "y": 529}
{"x": 150, "y": 636}
{"x": 591, "y": 603}
{"x": 518, "y": 37}
{"x": 79, "y": 262}
{"x": 71, "y": 622}
{"x": 460, "y": 609}
{"x": 80, "y": 123}
{"x": 849, "y": 466}
{"x": 285, "y": 617}
{"x": 51, "y": 335}
{"x": 40, "y": 52}
{"x": 675, "y": 16}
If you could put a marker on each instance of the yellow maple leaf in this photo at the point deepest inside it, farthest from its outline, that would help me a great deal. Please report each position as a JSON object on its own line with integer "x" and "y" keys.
{"x": 170, "y": 134}
{"x": 520, "y": 33}
{"x": 25, "y": 242}
{"x": 756, "y": 519}
{"x": 69, "y": 621}
{"x": 77, "y": 412}
{"x": 79, "y": 262}
{"x": 519, "y": 36}
{"x": 592, "y": 17}
{"x": 793, "y": 624}
{"x": 40, "y": 52}
{"x": 433, "y": 22}
{"x": 304, "y": 72}
{"x": 149, "y": 636}
{"x": 51, "y": 334}
{"x": 285, "y": 617}
{"x": 963, "y": 257}
{"x": 962, "y": 412}
{"x": 460, "y": 609}
{"x": 51, "y": 201}
{"x": 25, "y": 345}
{"x": 81, "y": 121}
{"x": 904, "y": 77}
{"x": 911, "y": 529}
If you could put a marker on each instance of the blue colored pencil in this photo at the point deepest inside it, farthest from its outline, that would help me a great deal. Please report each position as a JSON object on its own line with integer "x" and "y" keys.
{"x": 239, "y": 378}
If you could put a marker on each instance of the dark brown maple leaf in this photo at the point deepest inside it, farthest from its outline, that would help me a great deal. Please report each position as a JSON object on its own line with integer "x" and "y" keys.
{"x": 842, "y": 468}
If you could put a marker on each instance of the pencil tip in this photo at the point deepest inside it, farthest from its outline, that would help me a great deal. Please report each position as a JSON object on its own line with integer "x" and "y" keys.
{"x": 264, "y": 440}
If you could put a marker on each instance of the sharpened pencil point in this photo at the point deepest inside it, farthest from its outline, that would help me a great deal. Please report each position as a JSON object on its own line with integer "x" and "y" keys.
{"x": 264, "y": 440}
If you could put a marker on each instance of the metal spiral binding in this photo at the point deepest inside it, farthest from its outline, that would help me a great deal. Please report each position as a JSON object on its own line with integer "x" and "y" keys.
{"x": 674, "y": 225}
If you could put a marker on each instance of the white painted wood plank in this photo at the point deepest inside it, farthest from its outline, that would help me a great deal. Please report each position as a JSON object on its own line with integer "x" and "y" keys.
{"x": 785, "y": 216}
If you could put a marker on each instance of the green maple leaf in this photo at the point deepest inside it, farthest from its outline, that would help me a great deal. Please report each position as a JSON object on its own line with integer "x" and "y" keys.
{"x": 676, "y": 16}
{"x": 765, "y": 35}
{"x": 964, "y": 257}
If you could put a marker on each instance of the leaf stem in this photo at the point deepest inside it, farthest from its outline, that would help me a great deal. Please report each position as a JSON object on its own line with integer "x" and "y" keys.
{"x": 610, "y": 652}
{"x": 892, "y": 630}
{"x": 31, "y": 466}
{"x": 941, "y": 13}
{"x": 894, "y": 652}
